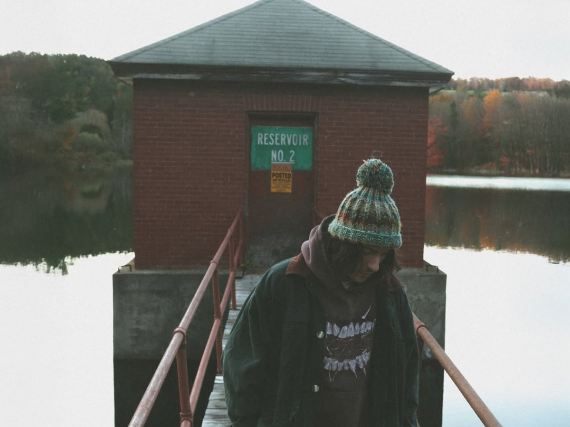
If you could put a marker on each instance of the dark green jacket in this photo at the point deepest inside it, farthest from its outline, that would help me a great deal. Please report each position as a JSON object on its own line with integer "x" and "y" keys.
{"x": 273, "y": 360}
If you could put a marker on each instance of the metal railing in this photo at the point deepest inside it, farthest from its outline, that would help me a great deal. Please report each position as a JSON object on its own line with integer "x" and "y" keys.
{"x": 177, "y": 347}
{"x": 482, "y": 411}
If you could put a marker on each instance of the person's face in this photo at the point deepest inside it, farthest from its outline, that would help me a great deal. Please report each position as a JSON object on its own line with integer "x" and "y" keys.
{"x": 372, "y": 257}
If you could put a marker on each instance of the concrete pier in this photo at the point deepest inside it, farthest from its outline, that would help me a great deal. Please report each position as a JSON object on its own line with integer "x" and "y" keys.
{"x": 426, "y": 294}
{"x": 147, "y": 307}
{"x": 149, "y": 304}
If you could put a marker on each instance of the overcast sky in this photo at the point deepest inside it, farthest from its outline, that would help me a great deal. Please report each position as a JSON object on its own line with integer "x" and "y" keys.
{"x": 484, "y": 38}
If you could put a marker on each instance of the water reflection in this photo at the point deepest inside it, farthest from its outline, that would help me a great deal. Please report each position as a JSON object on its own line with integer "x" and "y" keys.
{"x": 506, "y": 318}
{"x": 500, "y": 182}
{"x": 506, "y": 314}
{"x": 50, "y": 217}
{"x": 56, "y": 343}
{"x": 498, "y": 219}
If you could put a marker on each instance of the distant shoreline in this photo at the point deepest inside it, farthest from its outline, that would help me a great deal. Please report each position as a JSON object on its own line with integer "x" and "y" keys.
{"x": 486, "y": 173}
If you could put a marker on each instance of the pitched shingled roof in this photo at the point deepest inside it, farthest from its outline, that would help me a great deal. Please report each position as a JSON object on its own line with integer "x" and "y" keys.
{"x": 280, "y": 35}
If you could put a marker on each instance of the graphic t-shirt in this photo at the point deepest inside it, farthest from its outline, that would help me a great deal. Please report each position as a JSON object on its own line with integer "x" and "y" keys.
{"x": 348, "y": 349}
{"x": 350, "y": 312}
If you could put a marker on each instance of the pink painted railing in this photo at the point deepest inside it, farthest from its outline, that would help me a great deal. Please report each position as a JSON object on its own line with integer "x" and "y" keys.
{"x": 482, "y": 411}
{"x": 177, "y": 347}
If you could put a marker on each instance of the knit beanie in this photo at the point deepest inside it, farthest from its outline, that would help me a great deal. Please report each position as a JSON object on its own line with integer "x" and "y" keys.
{"x": 368, "y": 215}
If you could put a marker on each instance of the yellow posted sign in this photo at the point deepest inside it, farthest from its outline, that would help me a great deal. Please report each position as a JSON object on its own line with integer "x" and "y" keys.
{"x": 281, "y": 178}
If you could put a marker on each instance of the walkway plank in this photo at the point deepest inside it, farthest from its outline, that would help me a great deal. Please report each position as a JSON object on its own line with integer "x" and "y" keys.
{"x": 217, "y": 412}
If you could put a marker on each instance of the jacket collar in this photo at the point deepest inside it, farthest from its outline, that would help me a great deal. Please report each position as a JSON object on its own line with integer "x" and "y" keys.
{"x": 299, "y": 267}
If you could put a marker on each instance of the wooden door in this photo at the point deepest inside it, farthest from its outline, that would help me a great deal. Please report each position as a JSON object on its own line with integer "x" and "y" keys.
{"x": 281, "y": 188}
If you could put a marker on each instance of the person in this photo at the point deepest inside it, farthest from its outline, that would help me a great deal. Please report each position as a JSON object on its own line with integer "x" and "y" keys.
{"x": 327, "y": 338}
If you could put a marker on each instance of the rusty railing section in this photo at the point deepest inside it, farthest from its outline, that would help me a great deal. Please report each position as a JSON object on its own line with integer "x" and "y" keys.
{"x": 177, "y": 347}
{"x": 482, "y": 411}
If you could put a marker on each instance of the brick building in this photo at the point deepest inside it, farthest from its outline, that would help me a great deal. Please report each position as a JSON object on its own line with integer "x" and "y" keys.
{"x": 279, "y": 85}
{"x": 200, "y": 95}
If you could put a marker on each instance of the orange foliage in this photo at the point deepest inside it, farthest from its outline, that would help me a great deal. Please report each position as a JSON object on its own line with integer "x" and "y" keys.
{"x": 436, "y": 130}
{"x": 492, "y": 104}
{"x": 534, "y": 84}
{"x": 523, "y": 98}
{"x": 441, "y": 97}
{"x": 474, "y": 113}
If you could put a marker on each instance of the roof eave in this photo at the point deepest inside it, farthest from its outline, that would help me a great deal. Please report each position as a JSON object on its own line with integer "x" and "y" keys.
{"x": 129, "y": 71}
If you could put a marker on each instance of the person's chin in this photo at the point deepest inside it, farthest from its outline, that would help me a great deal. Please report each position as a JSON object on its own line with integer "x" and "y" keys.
{"x": 361, "y": 277}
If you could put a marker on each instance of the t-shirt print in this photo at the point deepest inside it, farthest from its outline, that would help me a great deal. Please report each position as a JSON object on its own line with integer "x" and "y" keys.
{"x": 348, "y": 345}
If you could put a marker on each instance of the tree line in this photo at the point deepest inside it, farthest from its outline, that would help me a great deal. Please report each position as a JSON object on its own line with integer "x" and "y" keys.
{"x": 478, "y": 126}
{"x": 61, "y": 109}
{"x": 560, "y": 89}
{"x": 70, "y": 109}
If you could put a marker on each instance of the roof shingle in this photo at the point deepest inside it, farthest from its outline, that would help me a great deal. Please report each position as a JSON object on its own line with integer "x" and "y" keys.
{"x": 282, "y": 34}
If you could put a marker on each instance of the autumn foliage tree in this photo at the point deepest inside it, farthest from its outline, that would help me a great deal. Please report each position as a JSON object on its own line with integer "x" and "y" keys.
{"x": 44, "y": 97}
{"x": 516, "y": 132}
{"x": 511, "y": 84}
{"x": 435, "y": 153}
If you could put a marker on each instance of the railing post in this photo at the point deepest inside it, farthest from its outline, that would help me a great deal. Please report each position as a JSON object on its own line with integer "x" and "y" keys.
{"x": 233, "y": 270}
{"x": 217, "y": 315}
{"x": 240, "y": 259}
{"x": 183, "y": 387}
{"x": 231, "y": 252}
{"x": 234, "y": 299}
{"x": 241, "y": 237}
{"x": 177, "y": 346}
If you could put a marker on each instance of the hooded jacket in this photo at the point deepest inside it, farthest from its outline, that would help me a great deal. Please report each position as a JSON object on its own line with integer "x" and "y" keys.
{"x": 350, "y": 314}
{"x": 273, "y": 360}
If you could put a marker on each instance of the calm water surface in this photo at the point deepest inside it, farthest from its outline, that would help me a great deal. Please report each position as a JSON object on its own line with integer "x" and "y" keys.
{"x": 505, "y": 247}
{"x": 67, "y": 233}
{"x": 507, "y": 331}
{"x": 56, "y": 343}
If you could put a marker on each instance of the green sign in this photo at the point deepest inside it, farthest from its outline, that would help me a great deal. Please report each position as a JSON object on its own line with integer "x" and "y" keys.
{"x": 284, "y": 145}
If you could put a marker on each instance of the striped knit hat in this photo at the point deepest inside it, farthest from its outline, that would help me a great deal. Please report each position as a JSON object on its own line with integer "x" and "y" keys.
{"x": 368, "y": 215}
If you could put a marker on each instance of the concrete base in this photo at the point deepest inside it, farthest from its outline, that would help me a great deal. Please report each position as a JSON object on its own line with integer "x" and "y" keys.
{"x": 148, "y": 306}
{"x": 426, "y": 294}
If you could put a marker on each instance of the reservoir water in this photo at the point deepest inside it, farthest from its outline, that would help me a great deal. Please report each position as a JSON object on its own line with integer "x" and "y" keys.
{"x": 61, "y": 238}
{"x": 505, "y": 246}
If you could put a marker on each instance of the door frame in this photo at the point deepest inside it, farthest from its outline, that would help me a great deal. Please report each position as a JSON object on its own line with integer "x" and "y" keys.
{"x": 278, "y": 118}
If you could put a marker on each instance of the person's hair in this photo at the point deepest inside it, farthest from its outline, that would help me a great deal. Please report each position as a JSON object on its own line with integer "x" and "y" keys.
{"x": 345, "y": 258}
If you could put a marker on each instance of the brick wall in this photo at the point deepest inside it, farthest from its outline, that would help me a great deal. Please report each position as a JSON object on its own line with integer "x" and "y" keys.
{"x": 190, "y": 154}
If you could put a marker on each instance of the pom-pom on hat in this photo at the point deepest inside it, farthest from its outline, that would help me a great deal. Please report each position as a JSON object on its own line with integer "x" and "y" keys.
{"x": 368, "y": 215}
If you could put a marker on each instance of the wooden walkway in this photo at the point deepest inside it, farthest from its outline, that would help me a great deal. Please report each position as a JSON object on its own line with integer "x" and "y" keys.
{"x": 217, "y": 413}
